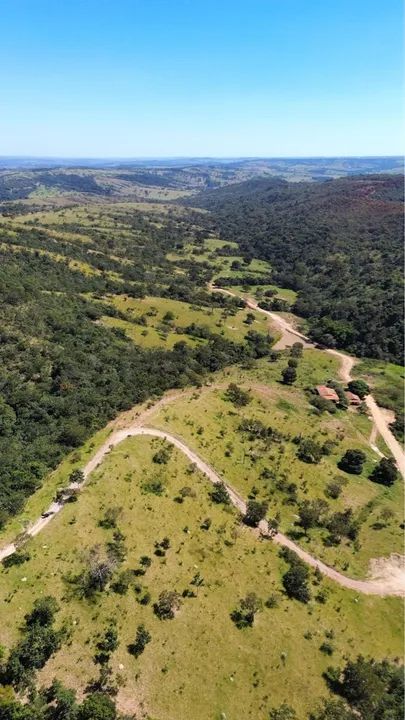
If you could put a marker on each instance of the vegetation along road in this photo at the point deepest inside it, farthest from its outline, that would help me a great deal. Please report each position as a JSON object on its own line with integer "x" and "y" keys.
{"x": 389, "y": 583}
{"x": 347, "y": 363}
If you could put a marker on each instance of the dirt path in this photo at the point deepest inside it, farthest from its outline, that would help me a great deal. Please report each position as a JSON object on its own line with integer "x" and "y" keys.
{"x": 391, "y": 580}
{"x": 391, "y": 574}
{"x": 347, "y": 363}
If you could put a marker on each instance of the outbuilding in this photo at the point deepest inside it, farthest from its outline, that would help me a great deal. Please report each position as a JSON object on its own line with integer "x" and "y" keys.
{"x": 353, "y": 398}
{"x": 327, "y": 393}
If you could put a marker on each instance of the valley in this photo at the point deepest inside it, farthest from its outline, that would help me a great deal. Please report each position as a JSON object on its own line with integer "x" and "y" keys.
{"x": 171, "y": 476}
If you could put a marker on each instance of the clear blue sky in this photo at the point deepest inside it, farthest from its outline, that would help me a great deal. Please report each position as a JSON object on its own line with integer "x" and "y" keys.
{"x": 105, "y": 78}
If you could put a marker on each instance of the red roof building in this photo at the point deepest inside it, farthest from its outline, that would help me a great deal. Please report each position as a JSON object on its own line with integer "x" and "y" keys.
{"x": 327, "y": 393}
{"x": 353, "y": 398}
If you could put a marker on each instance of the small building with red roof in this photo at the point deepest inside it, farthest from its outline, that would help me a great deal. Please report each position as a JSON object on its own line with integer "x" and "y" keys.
{"x": 353, "y": 398}
{"x": 327, "y": 393}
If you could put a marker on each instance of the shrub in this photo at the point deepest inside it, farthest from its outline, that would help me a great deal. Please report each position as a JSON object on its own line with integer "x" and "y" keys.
{"x": 237, "y": 395}
{"x": 142, "y": 638}
{"x": 169, "y": 601}
{"x": 385, "y": 473}
{"x": 288, "y": 375}
{"x": 359, "y": 387}
{"x": 310, "y": 451}
{"x": 352, "y": 462}
{"x": 17, "y": 558}
{"x": 110, "y": 518}
{"x": 219, "y": 494}
{"x": 255, "y": 512}
{"x": 244, "y": 615}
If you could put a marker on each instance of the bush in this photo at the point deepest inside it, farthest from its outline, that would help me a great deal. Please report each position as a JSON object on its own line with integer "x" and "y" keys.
{"x": 169, "y": 601}
{"x": 352, "y": 462}
{"x": 309, "y": 451}
{"x": 295, "y": 582}
{"x": 288, "y": 375}
{"x": 142, "y": 638}
{"x": 244, "y": 615}
{"x": 17, "y": 558}
{"x": 110, "y": 518}
{"x": 237, "y": 395}
{"x": 255, "y": 512}
{"x": 334, "y": 487}
{"x": 385, "y": 473}
{"x": 220, "y": 494}
{"x": 359, "y": 387}
{"x": 284, "y": 712}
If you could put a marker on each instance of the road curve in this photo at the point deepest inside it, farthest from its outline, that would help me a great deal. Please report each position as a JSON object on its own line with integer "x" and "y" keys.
{"x": 347, "y": 363}
{"x": 394, "y": 585}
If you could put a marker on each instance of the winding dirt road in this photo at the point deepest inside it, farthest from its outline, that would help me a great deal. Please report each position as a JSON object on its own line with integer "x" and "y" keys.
{"x": 347, "y": 363}
{"x": 390, "y": 577}
{"x": 389, "y": 583}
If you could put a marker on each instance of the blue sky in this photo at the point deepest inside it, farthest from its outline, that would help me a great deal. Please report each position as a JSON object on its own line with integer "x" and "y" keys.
{"x": 126, "y": 78}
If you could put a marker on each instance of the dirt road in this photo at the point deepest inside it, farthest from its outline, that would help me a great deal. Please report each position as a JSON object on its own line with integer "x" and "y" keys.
{"x": 347, "y": 363}
{"x": 392, "y": 576}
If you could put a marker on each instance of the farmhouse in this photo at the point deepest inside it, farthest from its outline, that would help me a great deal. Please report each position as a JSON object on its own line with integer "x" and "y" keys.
{"x": 327, "y": 393}
{"x": 353, "y": 398}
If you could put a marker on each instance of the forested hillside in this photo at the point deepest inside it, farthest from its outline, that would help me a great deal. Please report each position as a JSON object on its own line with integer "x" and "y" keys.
{"x": 62, "y": 373}
{"x": 338, "y": 243}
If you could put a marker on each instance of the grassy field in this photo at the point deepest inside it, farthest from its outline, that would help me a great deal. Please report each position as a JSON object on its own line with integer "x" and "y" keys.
{"x": 210, "y": 425}
{"x": 158, "y": 333}
{"x": 198, "y": 664}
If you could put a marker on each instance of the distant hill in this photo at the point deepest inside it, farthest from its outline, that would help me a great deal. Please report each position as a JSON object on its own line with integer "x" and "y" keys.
{"x": 20, "y": 177}
{"x": 339, "y": 243}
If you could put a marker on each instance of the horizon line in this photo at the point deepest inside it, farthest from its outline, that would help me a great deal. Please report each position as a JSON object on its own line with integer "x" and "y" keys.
{"x": 197, "y": 157}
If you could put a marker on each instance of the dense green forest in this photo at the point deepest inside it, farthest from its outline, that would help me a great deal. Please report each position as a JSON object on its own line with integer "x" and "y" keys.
{"x": 338, "y": 243}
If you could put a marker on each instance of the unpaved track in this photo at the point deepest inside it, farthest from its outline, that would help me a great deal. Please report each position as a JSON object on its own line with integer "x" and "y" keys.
{"x": 347, "y": 363}
{"x": 392, "y": 585}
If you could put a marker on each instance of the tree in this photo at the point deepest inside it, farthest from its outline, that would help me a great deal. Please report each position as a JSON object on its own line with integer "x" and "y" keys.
{"x": 219, "y": 494}
{"x": 295, "y": 581}
{"x": 237, "y": 395}
{"x": 43, "y": 612}
{"x": 292, "y": 362}
{"x": 359, "y": 387}
{"x": 385, "y": 473}
{"x": 343, "y": 524}
{"x": 168, "y": 317}
{"x": 244, "y": 615}
{"x": 97, "y": 573}
{"x": 249, "y": 319}
{"x": 289, "y": 375}
{"x": 361, "y": 685}
{"x": 309, "y": 451}
{"x": 255, "y": 512}
{"x": 297, "y": 350}
{"x": 64, "y": 706}
{"x": 169, "y": 601}
{"x": 97, "y": 706}
{"x": 352, "y": 462}
{"x": 310, "y": 512}
{"x": 142, "y": 638}
{"x": 333, "y": 710}
{"x": 334, "y": 487}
